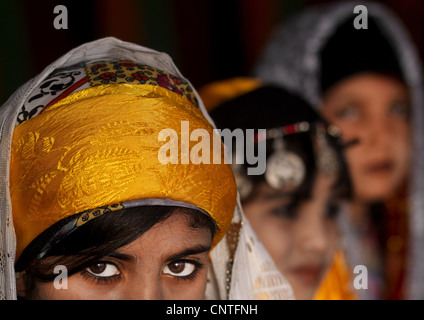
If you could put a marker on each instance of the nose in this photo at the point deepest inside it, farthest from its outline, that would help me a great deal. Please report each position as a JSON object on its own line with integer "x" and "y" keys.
{"x": 313, "y": 233}
{"x": 143, "y": 289}
{"x": 379, "y": 131}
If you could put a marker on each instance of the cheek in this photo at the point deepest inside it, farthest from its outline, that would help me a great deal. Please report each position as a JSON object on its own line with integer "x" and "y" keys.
{"x": 277, "y": 238}
{"x": 198, "y": 288}
{"x": 333, "y": 235}
{"x": 186, "y": 289}
{"x": 69, "y": 289}
{"x": 275, "y": 235}
{"x": 349, "y": 130}
{"x": 46, "y": 291}
{"x": 354, "y": 158}
{"x": 402, "y": 142}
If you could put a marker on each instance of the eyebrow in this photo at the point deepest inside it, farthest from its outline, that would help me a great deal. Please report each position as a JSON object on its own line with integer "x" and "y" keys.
{"x": 186, "y": 252}
{"x": 189, "y": 251}
{"x": 121, "y": 256}
{"x": 344, "y": 98}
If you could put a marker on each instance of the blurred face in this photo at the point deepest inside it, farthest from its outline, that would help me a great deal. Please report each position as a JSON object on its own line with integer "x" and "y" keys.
{"x": 375, "y": 109}
{"x": 300, "y": 240}
{"x": 169, "y": 261}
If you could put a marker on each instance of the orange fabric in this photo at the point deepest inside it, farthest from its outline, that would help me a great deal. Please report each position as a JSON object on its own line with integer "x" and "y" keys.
{"x": 337, "y": 284}
{"x": 218, "y": 92}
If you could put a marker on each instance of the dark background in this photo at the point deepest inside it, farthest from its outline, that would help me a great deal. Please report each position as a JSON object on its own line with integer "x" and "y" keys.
{"x": 208, "y": 39}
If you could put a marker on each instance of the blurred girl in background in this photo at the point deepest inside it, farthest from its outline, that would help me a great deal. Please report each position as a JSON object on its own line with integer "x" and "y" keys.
{"x": 368, "y": 82}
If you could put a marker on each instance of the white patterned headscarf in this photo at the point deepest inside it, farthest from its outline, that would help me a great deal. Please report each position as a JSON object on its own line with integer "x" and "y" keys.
{"x": 291, "y": 59}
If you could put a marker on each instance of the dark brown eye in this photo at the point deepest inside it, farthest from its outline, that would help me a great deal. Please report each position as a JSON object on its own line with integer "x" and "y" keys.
{"x": 176, "y": 267}
{"x": 98, "y": 267}
{"x": 103, "y": 269}
{"x": 179, "y": 268}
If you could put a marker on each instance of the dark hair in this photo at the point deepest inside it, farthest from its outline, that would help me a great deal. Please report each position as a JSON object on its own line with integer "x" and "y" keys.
{"x": 103, "y": 235}
{"x": 304, "y": 145}
{"x": 343, "y": 55}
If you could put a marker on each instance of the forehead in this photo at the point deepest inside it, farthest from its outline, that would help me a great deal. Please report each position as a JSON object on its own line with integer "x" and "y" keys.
{"x": 368, "y": 84}
{"x": 166, "y": 238}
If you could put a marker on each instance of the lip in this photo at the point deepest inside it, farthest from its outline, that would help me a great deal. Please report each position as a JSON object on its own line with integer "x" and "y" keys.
{"x": 379, "y": 167}
{"x": 308, "y": 274}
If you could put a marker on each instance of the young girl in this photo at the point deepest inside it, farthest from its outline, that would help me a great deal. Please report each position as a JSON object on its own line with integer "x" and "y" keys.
{"x": 292, "y": 206}
{"x": 88, "y": 209}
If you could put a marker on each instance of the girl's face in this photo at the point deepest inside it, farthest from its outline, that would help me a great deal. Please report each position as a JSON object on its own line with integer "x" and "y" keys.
{"x": 301, "y": 241}
{"x": 169, "y": 261}
{"x": 374, "y": 109}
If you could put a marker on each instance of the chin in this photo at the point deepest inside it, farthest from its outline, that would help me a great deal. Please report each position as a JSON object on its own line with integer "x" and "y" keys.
{"x": 376, "y": 193}
{"x": 302, "y": 290}
{"x": 304, "y": 293}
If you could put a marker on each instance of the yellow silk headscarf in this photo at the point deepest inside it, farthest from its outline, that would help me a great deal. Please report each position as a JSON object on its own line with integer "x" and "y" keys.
{"x": 99, "y": 146}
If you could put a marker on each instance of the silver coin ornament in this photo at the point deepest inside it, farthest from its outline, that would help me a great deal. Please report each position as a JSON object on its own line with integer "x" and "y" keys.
{"x": 285, "y": 170}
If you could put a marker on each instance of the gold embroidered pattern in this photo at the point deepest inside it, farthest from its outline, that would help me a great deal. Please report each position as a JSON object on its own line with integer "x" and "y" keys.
{"x": 99, "y": 146}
